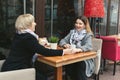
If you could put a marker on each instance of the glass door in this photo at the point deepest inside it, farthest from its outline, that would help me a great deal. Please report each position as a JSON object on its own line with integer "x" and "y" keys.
{"x": 59, "y": 17}
{"x": 113, "y": 29}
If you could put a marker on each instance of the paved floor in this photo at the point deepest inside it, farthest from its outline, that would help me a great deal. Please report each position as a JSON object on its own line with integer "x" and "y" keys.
{"x": 108, "y": 73}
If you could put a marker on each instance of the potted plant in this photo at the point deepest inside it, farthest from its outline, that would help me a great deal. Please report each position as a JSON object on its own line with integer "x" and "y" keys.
{"x": 53, "y": 42}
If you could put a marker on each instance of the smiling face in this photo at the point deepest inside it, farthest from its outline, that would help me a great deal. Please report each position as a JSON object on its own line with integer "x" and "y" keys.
{"x": 79, "y": 25}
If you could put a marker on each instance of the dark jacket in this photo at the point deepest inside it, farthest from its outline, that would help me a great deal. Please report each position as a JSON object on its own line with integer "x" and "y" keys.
{"x": 23, "y": 48}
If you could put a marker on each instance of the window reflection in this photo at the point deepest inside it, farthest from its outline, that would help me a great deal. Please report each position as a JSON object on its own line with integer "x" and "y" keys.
{"x": 9, "y": 10}
{"x": 113, "y": 16}
{"x": 63, "y": 15}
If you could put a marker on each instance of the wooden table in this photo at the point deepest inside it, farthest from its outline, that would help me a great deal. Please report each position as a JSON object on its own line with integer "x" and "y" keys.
{"x": 59, "y": 61}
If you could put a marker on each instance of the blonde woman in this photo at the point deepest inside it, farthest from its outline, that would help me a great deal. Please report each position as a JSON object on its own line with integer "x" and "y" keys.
{"x": 25, "y": 45}
{"x": 81, "y": 38}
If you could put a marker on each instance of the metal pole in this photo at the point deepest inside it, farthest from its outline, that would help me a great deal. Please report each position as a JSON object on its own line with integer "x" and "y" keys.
{"x": 33, "y": 7}
{"x": 24, "y": 4}
{"x": 51, "y": 17}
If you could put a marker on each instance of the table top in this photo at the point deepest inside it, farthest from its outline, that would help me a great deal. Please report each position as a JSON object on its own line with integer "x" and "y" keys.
{"x": 57, "y": 61}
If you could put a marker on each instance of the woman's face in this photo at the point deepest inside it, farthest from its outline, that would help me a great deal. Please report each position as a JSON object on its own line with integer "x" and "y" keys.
{"x": 33, "y": 26}
{"x": 79, "y": 25}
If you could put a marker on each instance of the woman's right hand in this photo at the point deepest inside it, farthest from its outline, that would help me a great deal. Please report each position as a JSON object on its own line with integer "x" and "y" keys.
{"x": 67, "y": 51}
{"x": 71, "y": 51}
{"x": 66, "y": 46}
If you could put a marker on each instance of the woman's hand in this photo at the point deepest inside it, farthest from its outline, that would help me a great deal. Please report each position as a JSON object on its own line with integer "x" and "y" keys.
{"x": 67, "y": 51}
{"x": 66, "y": 46}
{"x": 71, "y": 51}
{"x": 76, "y": 50}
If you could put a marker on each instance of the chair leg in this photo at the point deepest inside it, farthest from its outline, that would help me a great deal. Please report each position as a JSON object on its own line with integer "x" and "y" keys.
{"x": 101, "y": 66}
{"x": 96, "y": 76}
{"x": 104, "y": 63}
{"x": 114, "y": 69}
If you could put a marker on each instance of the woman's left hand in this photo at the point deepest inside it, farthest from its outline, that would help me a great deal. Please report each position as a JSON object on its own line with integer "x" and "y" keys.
{"x": 76, "y": 50}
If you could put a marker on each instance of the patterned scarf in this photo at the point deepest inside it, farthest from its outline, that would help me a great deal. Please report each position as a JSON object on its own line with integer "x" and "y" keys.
{"x": 77, "y": 36}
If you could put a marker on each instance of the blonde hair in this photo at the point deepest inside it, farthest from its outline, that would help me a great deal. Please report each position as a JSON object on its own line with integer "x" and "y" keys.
{"x": 24, "y": 21}
{"x": 86, "y": 22}
{"x": 88, "y": 29}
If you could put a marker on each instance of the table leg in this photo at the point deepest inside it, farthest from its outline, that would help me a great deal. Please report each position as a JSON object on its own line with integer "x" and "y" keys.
{"x": 58, "y": 73}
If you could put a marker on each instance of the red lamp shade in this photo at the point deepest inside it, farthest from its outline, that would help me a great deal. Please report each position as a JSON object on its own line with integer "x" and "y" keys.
{"x": 94, "y": 8}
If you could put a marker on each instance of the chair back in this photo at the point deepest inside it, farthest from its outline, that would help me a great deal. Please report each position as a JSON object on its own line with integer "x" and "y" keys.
{"x": 97, "y": 46}
{"x": 23, "y": 74}
{"x": 110, "y": 48}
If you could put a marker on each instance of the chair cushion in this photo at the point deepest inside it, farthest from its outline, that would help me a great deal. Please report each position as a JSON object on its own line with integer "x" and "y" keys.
{"x": 23, "y": 74}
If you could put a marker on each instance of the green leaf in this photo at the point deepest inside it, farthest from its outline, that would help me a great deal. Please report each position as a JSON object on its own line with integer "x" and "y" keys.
{"x": 53, "y": 39}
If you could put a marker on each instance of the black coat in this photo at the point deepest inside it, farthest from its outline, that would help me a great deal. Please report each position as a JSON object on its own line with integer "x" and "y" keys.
{"x": 23, "y": 48}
